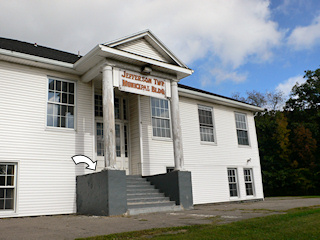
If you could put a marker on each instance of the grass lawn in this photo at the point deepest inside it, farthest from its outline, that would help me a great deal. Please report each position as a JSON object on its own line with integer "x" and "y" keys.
{"x": 303, "y": 223}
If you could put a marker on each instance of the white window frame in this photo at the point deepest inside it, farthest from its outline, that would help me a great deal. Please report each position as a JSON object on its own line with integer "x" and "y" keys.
{"x": 249, "y": 181}
{"x": 246, "y": 129}
{"x": 236, "y": 182}
{"x": 14, "y": 187}
{"x": 209, "y": 109}
{"x": 157, "y": 117}
{"x": 74, "y": 105}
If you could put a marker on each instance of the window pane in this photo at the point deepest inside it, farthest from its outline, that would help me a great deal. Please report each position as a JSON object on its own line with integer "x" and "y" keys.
{"x": 71, "y": 87}
{"x": 64, "y": 86}
{"x": 3, "y": 169}
{"x": 51, "y": 84}
{"x": 10, "y": 180}
{"x": 9, "y": 193}
{"x": 9, "y": 204}
{"x": 1, "y": 192}
{"x": 70, "y": 122}
{"x": 57, "y": 97}
{"x": 50, "y": 120}
{"x": 64, "y": 98}
{"x": 1, "y": 204}
{"x": 51, "y": 96}
{"x": 58, "y": 85}
{"x": 2, "y": 180}
{"x": 71, "y": 99}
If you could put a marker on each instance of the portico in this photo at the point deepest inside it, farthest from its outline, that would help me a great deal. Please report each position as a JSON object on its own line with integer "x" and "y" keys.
{"x": 141, "y": 65}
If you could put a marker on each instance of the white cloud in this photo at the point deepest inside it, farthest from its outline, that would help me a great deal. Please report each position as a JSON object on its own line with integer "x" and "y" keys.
{"x": 306, "y": 37}
{"x": 222, "y": 75}
{"x": 287, "y": 85}
{"x": 232, "y": 31}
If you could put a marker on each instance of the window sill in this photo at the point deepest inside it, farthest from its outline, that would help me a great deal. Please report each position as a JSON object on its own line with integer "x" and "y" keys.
{"x": 244, "y": 146}
{"x": 58, "y": 129}
{"x": 208, "y": 143}
{"x": 162, "y": 139}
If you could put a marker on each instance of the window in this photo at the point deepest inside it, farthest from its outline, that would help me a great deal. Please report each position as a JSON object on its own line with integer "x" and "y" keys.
{"x": 248, "y": 181}
{"x": 98, "y": 107}
{"x": 160, "y": 118}
{"x": 7, "y": 186}
{"x": 61, "y": 103}
{"x": 206, "y": 124}
{"x": 242, "y": 129}
{"x": 100, "y": 140}
{"x": 233, "y": 183}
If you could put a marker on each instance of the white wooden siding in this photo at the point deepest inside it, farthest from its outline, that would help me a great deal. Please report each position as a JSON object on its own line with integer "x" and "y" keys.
{"x": 207, "y": 162}
{"x": 157, "y": 153}
{"x": 142, "y": 48}
{"x": 46, "y": 173}
{"x": 134, "y": 157}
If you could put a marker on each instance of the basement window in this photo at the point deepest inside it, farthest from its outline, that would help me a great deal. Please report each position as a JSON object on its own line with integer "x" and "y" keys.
{"x": 7, "y": 186}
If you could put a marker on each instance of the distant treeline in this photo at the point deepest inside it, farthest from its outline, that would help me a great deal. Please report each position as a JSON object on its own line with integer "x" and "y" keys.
{"x": 289, "y": 139}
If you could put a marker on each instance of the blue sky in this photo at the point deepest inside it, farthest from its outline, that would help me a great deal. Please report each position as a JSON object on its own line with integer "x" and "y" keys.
{"x": 233, "y": 46}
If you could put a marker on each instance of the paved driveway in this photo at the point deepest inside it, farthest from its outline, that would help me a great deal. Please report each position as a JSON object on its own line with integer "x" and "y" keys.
{"x": 73, "y": 226}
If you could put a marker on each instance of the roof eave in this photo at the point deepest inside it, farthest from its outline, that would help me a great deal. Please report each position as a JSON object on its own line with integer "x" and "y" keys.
{"x": 28, "y": 59}
{"x": 218, "y": 100}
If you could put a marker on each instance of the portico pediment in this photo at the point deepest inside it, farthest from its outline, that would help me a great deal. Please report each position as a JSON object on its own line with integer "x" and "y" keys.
{"x": 137, "y": 50}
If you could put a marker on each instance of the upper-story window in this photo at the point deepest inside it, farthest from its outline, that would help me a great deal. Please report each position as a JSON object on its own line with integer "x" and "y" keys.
{"x": 242, "y": 128}
{"x": 160, "y": 118}
{"x": 61, "y": 103}
{"x": 206, "y": 124}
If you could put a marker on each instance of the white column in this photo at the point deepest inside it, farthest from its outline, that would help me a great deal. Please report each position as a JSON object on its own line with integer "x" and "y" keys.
{"x": 108, "y": 118}
{"x": 176, "y": 129}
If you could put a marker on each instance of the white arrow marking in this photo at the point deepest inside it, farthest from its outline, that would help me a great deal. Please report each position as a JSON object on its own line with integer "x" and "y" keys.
{"x": 84, "y": 159}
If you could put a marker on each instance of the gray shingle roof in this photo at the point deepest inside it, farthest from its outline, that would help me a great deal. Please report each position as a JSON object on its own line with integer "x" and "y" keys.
{"x": 40, "y": 51}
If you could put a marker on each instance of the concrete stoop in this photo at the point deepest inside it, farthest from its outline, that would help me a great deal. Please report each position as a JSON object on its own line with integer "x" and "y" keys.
{"x": 142, "y": 197}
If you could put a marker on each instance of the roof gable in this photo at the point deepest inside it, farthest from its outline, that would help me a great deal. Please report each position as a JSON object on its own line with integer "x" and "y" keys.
{"x": 147, "y": 45}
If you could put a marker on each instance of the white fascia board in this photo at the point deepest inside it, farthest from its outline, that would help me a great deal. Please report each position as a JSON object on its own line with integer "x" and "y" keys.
{"x": 182, "y": 70}
{"x": 36, "y": 58}
{"x": 217, "y": 99}
{"x": 84, "y": 63}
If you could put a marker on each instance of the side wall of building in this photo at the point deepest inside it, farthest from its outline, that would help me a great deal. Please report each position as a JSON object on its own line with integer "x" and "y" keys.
{"x": 208, "y": 162}
{"x": 46, "y": 174}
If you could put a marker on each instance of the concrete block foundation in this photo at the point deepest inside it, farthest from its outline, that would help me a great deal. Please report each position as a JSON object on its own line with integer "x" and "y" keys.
{"x": 176, "y": 185}
{"x": 102, "y": 193}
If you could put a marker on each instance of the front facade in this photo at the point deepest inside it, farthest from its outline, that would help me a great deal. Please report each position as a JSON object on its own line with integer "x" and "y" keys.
{"x": 121, "y": 106}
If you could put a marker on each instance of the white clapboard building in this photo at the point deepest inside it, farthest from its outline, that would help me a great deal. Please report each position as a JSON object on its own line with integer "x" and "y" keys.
{"x": 120, "y": 105}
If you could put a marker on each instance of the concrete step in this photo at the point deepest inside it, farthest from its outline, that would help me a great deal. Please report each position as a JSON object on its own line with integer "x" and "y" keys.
{"x": 151, "y": 204}
{"x": 142, "y": 190}
{"x": 148, "y": 199}
{"x": 140, "y": 187}
{"x": 136, "y": 211}
{"x": 141, "y": 195}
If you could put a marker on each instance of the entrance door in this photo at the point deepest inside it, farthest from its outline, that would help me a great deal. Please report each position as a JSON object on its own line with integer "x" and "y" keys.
{"x": 122, "y": 145}
{"x": 121, "y": 132}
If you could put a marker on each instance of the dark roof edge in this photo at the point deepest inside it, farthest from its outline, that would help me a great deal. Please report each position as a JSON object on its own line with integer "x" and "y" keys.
{"x": 212, "y": 94}
{"x": 37, "y": 50}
